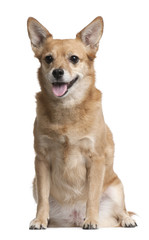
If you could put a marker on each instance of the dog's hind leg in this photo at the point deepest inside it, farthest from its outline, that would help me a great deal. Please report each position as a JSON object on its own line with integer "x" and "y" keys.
{"x": 113, "y": 212}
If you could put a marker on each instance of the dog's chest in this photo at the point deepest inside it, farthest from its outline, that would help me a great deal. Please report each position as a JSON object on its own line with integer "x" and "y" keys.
{"x": 65, "y": 145}
{"x": 67, "y": 165}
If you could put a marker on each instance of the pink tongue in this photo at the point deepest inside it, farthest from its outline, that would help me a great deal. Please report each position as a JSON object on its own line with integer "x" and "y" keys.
{"x": 59, "y": 89}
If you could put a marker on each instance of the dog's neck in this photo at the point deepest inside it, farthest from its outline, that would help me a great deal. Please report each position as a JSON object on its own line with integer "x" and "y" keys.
{"x": 60, "y": 112}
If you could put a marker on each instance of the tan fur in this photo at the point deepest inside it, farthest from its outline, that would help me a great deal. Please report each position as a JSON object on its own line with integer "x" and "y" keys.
{"x": 74, "y": 147}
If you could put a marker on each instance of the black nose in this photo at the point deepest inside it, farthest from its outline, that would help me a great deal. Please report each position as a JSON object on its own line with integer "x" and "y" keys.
{"x": 58, "y": 73}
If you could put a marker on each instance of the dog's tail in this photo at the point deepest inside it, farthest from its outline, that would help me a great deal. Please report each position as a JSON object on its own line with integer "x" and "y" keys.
{"x": 132, "y": 214}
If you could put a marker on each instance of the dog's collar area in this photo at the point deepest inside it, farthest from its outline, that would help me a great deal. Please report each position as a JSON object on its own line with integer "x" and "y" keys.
{"x": 61, "y": 88}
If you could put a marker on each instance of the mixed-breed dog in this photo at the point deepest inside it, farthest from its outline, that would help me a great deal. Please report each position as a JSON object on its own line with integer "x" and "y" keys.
{"x": 75, "y": 184}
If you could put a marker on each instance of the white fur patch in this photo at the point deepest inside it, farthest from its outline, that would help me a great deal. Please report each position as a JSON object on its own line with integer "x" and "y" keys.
{"x": 68, "y": 215}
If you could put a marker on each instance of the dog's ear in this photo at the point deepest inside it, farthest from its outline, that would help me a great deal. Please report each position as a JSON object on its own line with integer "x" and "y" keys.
{"x": 91, "y": 34}
{"x": 37, "y": 34}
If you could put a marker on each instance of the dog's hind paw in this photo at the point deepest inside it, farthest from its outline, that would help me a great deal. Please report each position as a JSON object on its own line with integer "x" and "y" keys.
{"x": 128, "y": 222}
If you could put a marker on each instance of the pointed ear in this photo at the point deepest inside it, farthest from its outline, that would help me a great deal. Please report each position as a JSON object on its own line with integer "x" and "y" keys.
{"x": 37, "y": 34}
{"x": 92, "y": 33}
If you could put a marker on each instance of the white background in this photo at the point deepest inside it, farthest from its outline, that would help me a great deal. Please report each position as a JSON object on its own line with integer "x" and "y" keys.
{"x": 122, "y": 76}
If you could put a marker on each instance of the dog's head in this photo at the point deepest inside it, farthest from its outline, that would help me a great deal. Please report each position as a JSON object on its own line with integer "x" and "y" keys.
{"x": 66, "y": 65}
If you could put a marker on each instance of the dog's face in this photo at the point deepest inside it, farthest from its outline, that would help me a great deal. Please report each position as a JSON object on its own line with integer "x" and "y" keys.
{"x": 66, "y": 65}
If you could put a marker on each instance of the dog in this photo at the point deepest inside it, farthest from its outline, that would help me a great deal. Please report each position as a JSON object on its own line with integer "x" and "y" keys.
{"x": 75, "y": 184}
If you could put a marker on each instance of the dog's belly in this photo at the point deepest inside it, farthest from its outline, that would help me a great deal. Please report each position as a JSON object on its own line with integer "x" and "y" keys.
{"x": 66, "y": 215}
{"x": 67, "y": 171}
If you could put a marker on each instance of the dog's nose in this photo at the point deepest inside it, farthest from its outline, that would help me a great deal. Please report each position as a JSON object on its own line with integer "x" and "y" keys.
{"x": 58, "y": 73}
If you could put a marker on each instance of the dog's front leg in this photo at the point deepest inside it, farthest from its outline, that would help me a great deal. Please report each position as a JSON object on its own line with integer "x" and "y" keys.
{"x": 43, "y": 192}
{"x": 96, "y": 171}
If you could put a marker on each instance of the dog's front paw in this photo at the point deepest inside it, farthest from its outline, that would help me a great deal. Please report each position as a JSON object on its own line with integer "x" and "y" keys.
{"x": 38, "y": 224}
{"x": 90, "y": 223}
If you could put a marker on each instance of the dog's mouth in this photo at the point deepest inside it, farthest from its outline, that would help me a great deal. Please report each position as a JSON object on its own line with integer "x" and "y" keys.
{"x": 60, "y": 88}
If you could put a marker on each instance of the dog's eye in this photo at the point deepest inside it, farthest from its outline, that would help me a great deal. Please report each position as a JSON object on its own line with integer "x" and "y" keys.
{"x": 49, "y": 59}
{"x": 74, "y": 59}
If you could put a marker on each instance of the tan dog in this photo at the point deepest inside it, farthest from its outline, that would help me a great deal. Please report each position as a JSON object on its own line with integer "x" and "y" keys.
{"x": 75, "y": 184}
